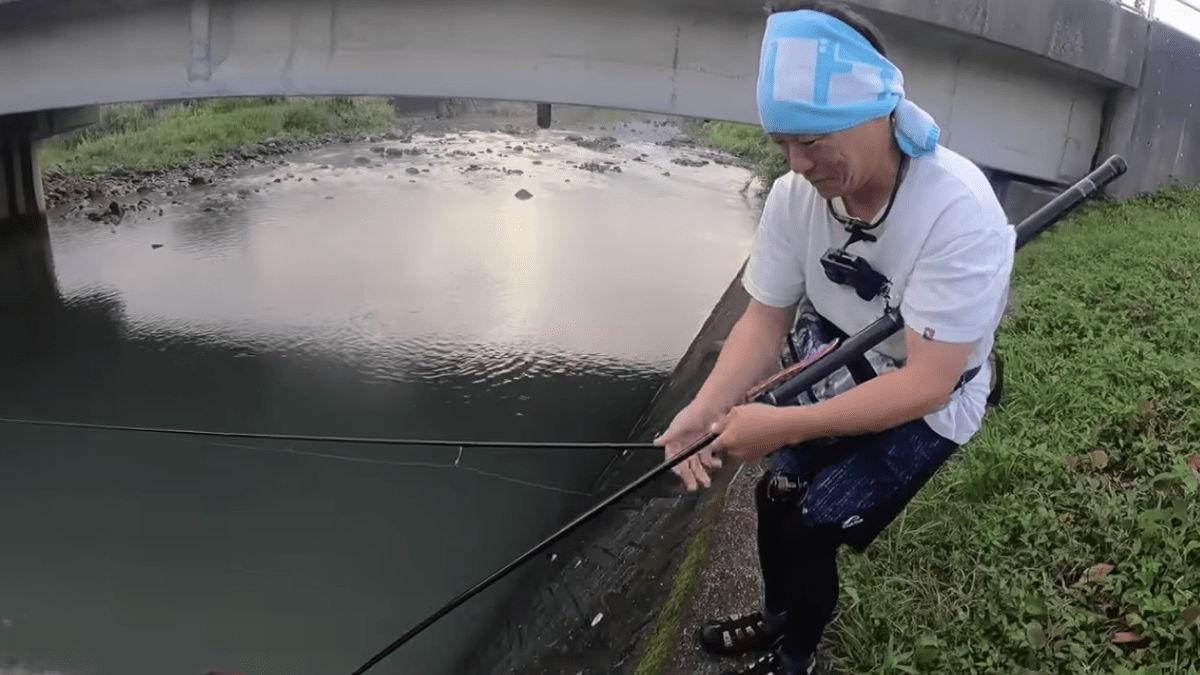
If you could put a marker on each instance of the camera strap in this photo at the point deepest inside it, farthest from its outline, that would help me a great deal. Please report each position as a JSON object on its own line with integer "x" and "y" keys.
{"x": 857, "y": 234}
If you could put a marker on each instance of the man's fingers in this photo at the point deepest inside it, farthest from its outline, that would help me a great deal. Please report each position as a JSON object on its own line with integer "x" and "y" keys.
{"x": 693, "y": 471}
{"x": 702, "y": 474}
{"x": 688, "y": 475}
{"x": 694, "y": 475}
{"x": 698, "y": 471}
{"x": 682, "y": 469}
{"x": 708, "y": 459}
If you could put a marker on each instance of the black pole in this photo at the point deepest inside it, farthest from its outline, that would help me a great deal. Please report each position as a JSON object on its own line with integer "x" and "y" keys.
{"x": 1056, "y": 209}
{"x": 852, "y": 348}
{"x": 543, "y": 115}
{"x": 891, "y": 322}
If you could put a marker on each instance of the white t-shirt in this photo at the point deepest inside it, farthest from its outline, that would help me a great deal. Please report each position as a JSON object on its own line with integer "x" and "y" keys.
{"x": 946, "y": 246}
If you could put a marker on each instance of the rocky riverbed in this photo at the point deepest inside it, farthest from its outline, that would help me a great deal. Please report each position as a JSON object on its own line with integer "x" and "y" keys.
{"x": 119, "y": 194}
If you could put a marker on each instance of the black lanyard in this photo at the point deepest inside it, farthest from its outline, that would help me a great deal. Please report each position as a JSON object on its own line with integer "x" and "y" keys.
{"x": 858, "y": 228}
{"x": 844, "y": 268}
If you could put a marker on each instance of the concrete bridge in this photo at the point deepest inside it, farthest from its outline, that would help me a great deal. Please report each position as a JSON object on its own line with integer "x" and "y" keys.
{"x": 1033, "y": 89}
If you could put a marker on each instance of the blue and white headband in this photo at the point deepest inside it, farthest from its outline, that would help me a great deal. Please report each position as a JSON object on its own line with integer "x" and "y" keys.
{"x": 817, "y": 75}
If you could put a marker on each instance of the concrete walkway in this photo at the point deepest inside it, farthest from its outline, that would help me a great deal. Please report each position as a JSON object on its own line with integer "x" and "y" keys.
{"x": 729, "y": 581}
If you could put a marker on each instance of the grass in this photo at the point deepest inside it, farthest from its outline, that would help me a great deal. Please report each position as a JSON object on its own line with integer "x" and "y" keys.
{"x": 136, "y": 136}
{"x": 1001, "y": 565}
{"x": 746, "y": 141}
{"x": 659, "y": 650}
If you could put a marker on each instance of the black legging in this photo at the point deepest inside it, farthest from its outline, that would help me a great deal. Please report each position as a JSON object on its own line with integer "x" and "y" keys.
{"x": 799, "y": 569}
{"x": 855, "y": 487}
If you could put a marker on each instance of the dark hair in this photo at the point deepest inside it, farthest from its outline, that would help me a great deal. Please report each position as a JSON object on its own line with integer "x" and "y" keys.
{"x": 838, "y": 11}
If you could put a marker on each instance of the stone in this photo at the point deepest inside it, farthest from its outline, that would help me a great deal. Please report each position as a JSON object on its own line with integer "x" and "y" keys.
{"x": 524, "y": 194}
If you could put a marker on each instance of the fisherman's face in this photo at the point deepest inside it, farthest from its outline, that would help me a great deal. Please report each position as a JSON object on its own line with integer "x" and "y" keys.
{"x": 835, "y": 164}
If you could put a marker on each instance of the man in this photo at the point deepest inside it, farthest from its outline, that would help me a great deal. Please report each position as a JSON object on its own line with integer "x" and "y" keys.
{"x": 874, "y": 214}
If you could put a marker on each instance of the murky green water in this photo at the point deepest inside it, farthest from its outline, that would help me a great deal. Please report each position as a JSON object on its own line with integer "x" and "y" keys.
{"x": 369, "y": 302}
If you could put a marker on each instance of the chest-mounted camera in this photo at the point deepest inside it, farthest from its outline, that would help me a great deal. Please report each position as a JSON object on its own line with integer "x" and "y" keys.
{"x": 847, "y": 269}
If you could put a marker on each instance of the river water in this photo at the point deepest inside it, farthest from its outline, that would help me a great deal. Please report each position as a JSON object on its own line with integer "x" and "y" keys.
{"x": 349, "y": 298}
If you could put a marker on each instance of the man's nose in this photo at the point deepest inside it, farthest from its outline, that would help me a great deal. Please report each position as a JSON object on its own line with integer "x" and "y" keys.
{"x": 797, "y": 158}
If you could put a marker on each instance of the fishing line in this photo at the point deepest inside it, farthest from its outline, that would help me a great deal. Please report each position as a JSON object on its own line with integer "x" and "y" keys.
{"x": 340, "y": 439}
{"x": 392, "y": 462}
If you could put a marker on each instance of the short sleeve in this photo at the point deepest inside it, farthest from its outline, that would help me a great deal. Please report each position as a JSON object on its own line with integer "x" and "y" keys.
{"x": 959, "y": 285}
{"x": 774, "y": 274}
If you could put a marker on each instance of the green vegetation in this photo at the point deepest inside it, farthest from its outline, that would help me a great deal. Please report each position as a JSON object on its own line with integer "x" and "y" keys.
{"x": 1065, "y": 538}
{"x": 659, "y": 651}
{"x": 745, "y": 141}
{"x": 136, "y": 136}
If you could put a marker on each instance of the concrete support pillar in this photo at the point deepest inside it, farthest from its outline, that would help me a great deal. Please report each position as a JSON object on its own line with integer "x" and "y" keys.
{"x": 543, "y": 115}
{"x": 26, "y": 263}
{"x": 27, "y": 280}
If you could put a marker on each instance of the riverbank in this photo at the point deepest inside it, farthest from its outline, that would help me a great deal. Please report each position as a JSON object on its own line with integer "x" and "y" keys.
{"x": 156, "y": 136}
{"x": 156, "y": 151}
{"x": 745, "y": 141}
{"x": 1062, "y": 539}
{"x": 145, "y": 148}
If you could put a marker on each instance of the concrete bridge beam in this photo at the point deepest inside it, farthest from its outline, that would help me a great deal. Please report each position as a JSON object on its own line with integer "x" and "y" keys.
{"x": 1019, "y": 86}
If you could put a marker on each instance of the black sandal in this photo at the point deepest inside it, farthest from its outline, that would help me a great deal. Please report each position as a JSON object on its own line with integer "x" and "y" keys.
{"x": 772, "y": 664}
{"x": 737, "y": 634}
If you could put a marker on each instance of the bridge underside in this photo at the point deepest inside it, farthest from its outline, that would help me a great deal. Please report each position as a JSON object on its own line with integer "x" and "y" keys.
{"x": 1010, "y": 110}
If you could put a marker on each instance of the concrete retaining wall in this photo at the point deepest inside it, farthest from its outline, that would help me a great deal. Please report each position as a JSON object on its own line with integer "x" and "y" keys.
{"x": 1156, "y": 127}
{"x": 619, "y": 566}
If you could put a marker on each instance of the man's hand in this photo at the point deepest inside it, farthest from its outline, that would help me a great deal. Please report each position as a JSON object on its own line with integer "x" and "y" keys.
{"x": 752, "y": 431}
{"x": 690, "y": 425}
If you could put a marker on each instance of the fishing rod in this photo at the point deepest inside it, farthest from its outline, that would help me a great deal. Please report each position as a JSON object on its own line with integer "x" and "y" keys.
{"x": 546, "y": 445}
{"x": 784, "y": 386}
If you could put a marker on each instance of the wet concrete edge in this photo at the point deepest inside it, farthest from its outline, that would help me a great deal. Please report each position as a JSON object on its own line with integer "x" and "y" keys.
{"x": 620, "y": 566}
